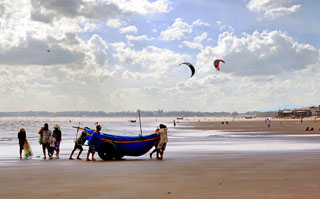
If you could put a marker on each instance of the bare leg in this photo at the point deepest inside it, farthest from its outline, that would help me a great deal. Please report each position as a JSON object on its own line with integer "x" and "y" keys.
{"x": 70, "y": 158}
{"x": 154, "y": 150}
{"x": 78, "y": 157}
{"x": 88, "y": 155}
{"x": 20, "y": 154}
{"x": 57, "y": 153}
{"x": 44, "y": 151}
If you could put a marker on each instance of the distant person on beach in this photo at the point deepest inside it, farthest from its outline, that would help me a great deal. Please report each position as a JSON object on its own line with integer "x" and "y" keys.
{"x": 311, "y": 129}
{"x": 45, "y": 134}
{"x": 163, "y": 140}
{"x": 306, "y": 129}
{"x": 174, "y": 123}
{"x": 57, "y": 136}
{"x": 22, "y": 138}
{"x": 155, "y": 145}
{"x": 92, "y": 141}
{"x": 268, "y": 122}
{"x": 78, "y": 145}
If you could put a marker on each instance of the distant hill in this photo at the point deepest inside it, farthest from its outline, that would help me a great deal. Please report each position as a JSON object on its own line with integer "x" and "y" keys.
{"x": 159, "y": 113}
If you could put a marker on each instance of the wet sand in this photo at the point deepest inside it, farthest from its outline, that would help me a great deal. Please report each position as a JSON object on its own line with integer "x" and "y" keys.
{"x": 281, "y": 175}
{"x": 277, "y": 126}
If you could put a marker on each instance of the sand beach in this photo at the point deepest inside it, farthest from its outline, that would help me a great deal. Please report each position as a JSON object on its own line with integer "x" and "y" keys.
{"x": 278, "y": 162}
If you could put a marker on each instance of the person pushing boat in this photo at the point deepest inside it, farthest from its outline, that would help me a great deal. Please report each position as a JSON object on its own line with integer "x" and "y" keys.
{"x": 92, "y": 142}
{"x": 163, "y": 140}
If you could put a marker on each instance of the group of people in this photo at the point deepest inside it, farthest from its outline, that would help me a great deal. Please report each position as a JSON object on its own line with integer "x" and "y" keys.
{"x": 50, "y": 141}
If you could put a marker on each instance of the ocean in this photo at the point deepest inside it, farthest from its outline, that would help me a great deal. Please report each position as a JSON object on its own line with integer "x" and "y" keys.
{"x": 180, "y": 140}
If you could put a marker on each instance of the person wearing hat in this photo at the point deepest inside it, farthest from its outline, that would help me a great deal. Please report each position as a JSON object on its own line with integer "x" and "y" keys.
{"x": 92, "y": 141}
{"x": 22, "y": 139}
{"x": 163, "y": 140}
{"x": 57, "y": 135}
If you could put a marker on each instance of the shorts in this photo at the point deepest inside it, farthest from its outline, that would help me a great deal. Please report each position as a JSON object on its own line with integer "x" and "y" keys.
{"x": 57, "y": 144}
{"x": 78, "y": 146}
{"x": 21, "y": 146}
{"x": 50, "y": 150}
{"x": 92, "y": 149}
{"x": 162, "y": 146}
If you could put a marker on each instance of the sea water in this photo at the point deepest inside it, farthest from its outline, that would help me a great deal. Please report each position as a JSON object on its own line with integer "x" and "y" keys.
{"x": 180, "y": 139}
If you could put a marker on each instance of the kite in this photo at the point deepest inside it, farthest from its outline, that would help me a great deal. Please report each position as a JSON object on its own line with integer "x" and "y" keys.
{"x": 191, "y": 67}
{"x": 217, "y": 62}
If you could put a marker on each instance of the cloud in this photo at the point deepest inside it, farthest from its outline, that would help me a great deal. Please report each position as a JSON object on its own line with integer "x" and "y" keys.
{"x": 137, "y": 38}
{"x": 196, "y": 44}
{"x": 129, "y": 29}
{"x": 198, "y": 22}
{"x": 34, "y": 52}
{"x": 272, "y": 9}
{"x": 143, "y": 6}
{"x": 266, "y": 53}
{"x": 176, "y": 31}
{"x": 151, "y": 59}
{"x": 114, "y": 23}
{"x": 179, "y": 28}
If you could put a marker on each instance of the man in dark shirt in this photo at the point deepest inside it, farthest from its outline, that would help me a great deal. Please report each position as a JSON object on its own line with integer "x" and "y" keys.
{"x": 57, "y": 135}
{"x": 22, "y": 139}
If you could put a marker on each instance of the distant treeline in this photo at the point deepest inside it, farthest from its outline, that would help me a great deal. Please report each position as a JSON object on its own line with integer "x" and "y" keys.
{"x": 159, "y": 113}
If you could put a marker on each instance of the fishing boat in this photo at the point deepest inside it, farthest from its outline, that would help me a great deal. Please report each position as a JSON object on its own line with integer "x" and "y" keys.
{"x": 115, "y": 147}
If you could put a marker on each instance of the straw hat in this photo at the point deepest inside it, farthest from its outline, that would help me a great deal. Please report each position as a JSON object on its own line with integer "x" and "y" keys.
{"x": 56, "y": 126}
{"x": 22, "y": 130}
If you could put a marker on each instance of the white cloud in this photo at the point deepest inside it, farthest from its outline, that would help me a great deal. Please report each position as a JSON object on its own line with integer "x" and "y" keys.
{"x": 142, "y": 6}
{"x": 196, "y": 41}
{"x": 179, "y": 28}
{"x": 266, "y": 53}
{"x": 176, "y": 31}
{"x": 272, "y": 9}
{"x": 137, "y": 38}
{"x": 150, "y": 59}
{"x": 114, "y": 23}
{"x": 198, "y": 22}
{"x": 129, "y": 29}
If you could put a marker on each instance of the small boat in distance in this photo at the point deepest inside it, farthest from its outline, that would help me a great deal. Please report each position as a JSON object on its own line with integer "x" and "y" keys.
{"x": 133, "y": 121}
{"x": 179, "y": 118}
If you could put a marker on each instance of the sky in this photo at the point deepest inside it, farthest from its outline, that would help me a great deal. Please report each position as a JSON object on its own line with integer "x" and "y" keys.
{"x": 124, "y": 55}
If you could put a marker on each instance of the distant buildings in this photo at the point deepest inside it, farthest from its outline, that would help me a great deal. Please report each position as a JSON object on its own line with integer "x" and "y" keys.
{"x": 299, "y": 113}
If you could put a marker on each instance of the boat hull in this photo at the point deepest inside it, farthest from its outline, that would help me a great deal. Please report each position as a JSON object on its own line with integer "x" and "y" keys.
{"x": 124, "y": 145}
